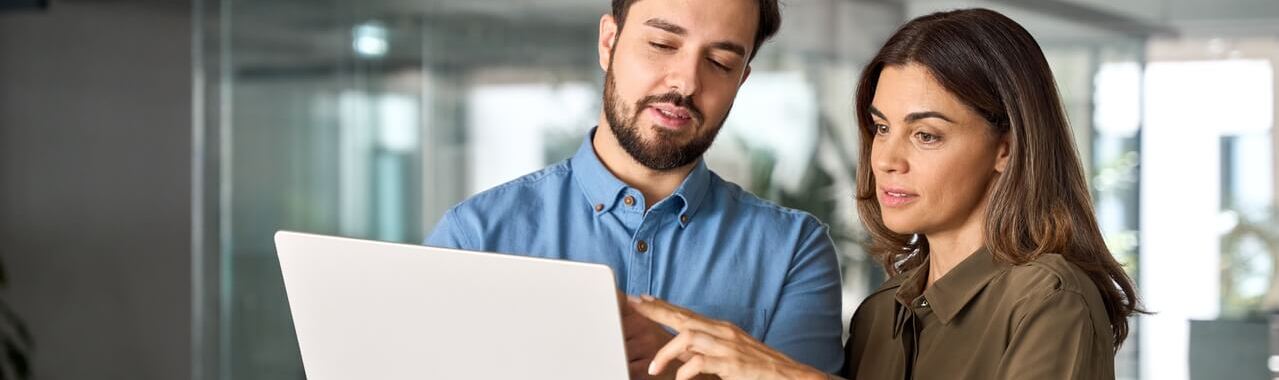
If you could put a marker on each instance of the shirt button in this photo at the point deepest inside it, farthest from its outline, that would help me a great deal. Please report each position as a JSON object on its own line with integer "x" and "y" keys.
{"x": 923, "y": 303}
{"x": 599, "y": 207}
{"x": 683, "y": 218}
{"x": 629, "y": 200}
{"x": 641, "y": 246}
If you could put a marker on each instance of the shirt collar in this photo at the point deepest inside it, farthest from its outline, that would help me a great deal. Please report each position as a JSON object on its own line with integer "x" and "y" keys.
{"x": 603, "y": 189}
{"x": 693, "y": 191}
{"x": 950, "y": 294}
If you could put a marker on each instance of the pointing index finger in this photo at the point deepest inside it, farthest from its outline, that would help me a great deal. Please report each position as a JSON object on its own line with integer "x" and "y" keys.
{"x": 661, "y": 312}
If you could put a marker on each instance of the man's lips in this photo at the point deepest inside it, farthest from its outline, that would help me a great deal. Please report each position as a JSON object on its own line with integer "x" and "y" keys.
{"x": 670, "y": 116}
{"x": 671, "y": 110}
{"x": 896, "y": 197}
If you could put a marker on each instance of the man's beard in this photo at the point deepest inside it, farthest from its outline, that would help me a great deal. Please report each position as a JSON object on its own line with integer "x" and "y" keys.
{"x": 664, "y": 153}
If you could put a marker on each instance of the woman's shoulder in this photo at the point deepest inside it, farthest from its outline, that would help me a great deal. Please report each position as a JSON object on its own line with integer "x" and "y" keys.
{"x": 1054, "y": 287}
{"x": 1049, "y": 272}
{"x": 1051, "y": 281}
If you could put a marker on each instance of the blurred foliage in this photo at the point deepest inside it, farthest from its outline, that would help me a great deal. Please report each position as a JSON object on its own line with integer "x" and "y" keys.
{"x": 1249, "y": 266}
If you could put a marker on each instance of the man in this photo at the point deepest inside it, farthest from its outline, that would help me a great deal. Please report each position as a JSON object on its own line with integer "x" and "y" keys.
{"x": 637, "y": 197}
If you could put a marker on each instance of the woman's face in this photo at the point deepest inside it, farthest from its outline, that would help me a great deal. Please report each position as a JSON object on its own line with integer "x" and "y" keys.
{"x": 933, "y": 157}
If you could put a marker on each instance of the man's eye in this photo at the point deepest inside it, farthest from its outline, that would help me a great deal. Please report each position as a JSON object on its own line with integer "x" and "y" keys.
{"x": 660, "y": 46}
{"x": 720, "y": 66}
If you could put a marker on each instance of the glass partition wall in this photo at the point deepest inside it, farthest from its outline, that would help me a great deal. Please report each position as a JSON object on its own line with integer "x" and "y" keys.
{"x": 370, "y": 118}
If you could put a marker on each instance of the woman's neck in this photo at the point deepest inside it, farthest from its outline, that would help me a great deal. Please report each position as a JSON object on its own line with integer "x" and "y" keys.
{"x": 946, "y": 249}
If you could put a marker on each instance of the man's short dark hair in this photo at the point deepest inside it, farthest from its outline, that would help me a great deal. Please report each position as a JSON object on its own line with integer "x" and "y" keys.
{"x": 770, "y": 19}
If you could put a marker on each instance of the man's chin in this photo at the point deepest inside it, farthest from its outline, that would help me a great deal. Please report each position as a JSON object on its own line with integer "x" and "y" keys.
{"x": 665, "y": 143}
{"x": 658, "y": 133}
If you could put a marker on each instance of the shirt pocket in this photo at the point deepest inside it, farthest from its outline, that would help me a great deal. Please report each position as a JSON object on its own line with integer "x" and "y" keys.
{"x": 752, "y": 320}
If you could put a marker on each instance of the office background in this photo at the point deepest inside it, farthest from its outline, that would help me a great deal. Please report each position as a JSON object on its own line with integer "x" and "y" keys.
{"x": 149, "y": 149}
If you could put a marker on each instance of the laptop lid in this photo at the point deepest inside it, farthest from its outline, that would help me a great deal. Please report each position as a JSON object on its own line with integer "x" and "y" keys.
{"x": 375, "y": 310}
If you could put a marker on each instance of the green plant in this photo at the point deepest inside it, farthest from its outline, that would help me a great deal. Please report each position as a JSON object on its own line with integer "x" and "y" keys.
{"x": 1242, "y": 263}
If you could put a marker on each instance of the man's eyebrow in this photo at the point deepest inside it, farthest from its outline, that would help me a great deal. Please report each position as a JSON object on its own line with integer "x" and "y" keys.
{"x": 731, "y": 47}
{"x": 666, "y": 25}
{"x": 670, "y": 27}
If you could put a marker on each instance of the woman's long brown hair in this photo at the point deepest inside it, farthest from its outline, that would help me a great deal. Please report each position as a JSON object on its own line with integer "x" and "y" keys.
{"x": 1040, "y": 204}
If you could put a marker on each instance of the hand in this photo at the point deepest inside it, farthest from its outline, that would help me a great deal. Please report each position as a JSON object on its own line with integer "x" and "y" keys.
{"x": 708, "y": 346}
{"x": 643, "y": 339}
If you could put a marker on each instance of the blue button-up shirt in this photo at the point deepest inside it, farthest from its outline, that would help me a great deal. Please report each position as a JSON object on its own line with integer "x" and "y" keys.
{"x": 710, "y": 247}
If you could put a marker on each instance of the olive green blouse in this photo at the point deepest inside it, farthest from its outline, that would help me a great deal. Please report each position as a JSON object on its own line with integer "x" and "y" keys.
{"x": 984, "y": 320}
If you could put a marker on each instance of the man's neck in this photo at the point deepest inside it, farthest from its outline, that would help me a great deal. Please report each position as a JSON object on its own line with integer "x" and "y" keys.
{"x": 654, "y": 184}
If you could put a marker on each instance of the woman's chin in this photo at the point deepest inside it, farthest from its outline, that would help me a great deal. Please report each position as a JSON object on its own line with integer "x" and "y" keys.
{"x": 900, "y": 227}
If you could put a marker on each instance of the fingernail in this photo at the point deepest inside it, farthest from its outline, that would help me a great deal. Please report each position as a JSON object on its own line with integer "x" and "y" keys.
{"x": 648, "y": 297}
{"x": 652, "y": 371}
{"x": 632, "y": 299}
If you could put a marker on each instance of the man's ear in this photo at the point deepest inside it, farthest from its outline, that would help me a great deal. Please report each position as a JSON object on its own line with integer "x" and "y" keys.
{"x": 608, "y": 40}
{"x": 1002, "y": 152}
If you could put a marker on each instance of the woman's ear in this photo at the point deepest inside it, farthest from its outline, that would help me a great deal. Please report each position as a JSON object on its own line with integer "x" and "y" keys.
{"x": 608, "y": 40}
{"x": 1002, "y": 153}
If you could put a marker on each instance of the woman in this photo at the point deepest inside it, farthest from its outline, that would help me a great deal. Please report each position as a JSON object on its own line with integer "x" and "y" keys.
{"x": 976, "y": 204}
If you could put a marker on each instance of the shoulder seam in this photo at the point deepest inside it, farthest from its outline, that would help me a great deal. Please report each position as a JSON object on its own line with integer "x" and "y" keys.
{"x": 527, "y": 179}
{"x": 746, "y": 197}
{"x": 1061, "y": 277}
{"x": 466, "y": 235}
{"x": 1043, "y": 300}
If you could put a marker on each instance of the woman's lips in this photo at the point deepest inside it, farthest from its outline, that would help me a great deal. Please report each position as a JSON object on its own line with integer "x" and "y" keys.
{"x": 896, "y": 197}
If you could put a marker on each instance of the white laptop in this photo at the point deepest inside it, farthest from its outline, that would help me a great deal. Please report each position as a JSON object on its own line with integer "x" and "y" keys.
{"x": 374, "y": 310}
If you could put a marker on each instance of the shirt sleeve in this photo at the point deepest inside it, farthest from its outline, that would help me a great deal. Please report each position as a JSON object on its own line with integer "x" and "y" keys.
{"x": 450, "y": 232}
{"x": 1055, "y": 340}
{"x": 806, "y": 325}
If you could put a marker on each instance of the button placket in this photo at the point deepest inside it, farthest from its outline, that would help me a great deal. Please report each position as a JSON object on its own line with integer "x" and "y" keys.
{"x": 642, "y": 250}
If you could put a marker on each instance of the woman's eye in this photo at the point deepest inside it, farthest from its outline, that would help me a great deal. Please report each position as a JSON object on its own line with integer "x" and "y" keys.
{"x": 928, "y": 138}
{"x": 881, "y": 129}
